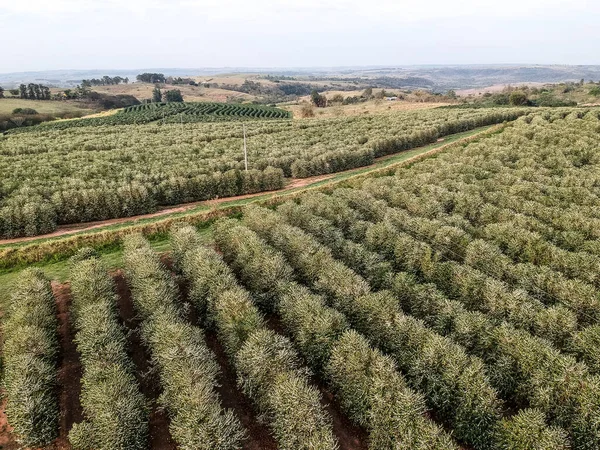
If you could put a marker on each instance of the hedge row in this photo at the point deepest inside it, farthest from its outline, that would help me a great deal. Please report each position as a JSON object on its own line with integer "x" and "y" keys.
{"x": 30, "y": 352}
{"x": 339, "y": 160}
{"x": 455, "y": 385}
{"x": 370, "y": 389}
{"x": 186, "y": 367}
{"x": 523, "y": 368}
{"x": 510, "y": 191}
{"x": 370, "y": 265}
{"x": 332, "y": 162}
{"x": 581, "y": 265}
{"x": 269, "y": 370}
{"x": 427, "y": 136}
{"x": 30, "y": 214}
{"x": 544, "y": 283}
{"x": 116, "y": 411}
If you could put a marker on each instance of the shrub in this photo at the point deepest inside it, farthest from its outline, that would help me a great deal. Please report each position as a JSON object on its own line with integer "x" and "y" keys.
{"x": 375, "y": 395}
{"x": 270, "y": 373}
{"x": 26, "y": 111}
{"x": 307, "y": 111}
{"x": 229, "y": 238}
{"x": 331, "y": 162}
{"x": 584, "y": 345}
{"x": 527, "y": 431}
{"x": 368, "y": 264}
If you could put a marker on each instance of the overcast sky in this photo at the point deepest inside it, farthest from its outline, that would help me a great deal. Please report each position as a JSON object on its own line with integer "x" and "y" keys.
{"x": 128, "y": 34}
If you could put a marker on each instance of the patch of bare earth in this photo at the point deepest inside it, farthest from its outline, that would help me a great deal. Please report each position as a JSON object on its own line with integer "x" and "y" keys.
{"x": 7, "y": 439}
{"x": 69, "y": 371}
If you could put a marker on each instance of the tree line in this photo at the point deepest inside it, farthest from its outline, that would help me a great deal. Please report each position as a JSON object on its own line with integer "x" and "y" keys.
{"x": 151, "y": 78}
{"x": 104, "y": 81}
{"x": 32, "y": 91}
{"x": 168, "y": 97}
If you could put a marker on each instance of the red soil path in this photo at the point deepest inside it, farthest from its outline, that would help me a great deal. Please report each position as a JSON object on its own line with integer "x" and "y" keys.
{"x": 70, "y": 371}
{"x": 7, "y": 439}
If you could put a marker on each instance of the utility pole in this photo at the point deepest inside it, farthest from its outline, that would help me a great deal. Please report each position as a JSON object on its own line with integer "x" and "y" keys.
{"x": 245, "y": 149}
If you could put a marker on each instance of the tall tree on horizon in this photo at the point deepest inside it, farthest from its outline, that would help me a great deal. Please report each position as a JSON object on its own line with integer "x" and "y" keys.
{"x": 156, "y": 95}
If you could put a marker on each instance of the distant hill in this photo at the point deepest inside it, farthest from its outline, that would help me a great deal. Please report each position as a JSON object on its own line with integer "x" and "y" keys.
{"x": 436, "y": 78}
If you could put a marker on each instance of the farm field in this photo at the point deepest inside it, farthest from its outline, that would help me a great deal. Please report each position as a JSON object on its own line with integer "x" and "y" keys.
{"x": 450, "y": 303}
{"x": 143, "y": 91}
{"x": 173, "y": 113}
{"x": 7, "y": 105}
{"x": 53, "y": 176}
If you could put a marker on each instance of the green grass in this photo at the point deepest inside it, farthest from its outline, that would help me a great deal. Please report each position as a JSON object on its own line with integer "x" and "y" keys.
{"x": 59, "y": 271}
{"x": 41, "y": 106}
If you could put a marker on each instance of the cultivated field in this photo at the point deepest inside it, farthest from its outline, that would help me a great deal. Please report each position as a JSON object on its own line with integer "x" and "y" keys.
{"x": 176, "y": 112}
{"x": 453, "y": 303}
{"x": 52, "y": 176}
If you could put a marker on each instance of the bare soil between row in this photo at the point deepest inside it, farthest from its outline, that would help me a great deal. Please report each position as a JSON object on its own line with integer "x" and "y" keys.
{"x": 70, "y": 371}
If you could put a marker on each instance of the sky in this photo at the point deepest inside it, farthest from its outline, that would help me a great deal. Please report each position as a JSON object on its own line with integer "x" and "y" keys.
{"x": 128, "y": 34}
